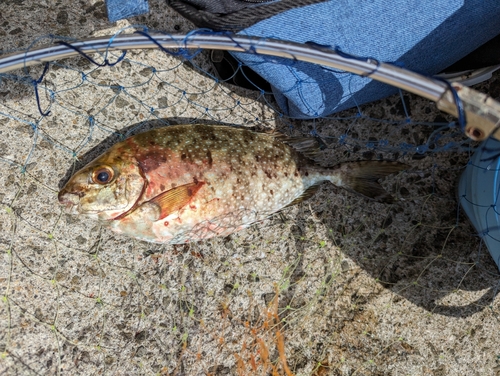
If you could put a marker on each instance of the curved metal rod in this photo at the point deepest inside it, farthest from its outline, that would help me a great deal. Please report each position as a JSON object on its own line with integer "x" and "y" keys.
{"x": 387, "y": 73}
{"x": 479, "y": 127}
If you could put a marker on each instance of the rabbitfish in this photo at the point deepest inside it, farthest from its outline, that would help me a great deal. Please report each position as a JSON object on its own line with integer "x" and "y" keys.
{"x": 190, "y": 182}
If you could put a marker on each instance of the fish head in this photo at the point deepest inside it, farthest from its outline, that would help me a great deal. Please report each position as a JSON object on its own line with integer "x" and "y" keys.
{"x": 105, "y": 188}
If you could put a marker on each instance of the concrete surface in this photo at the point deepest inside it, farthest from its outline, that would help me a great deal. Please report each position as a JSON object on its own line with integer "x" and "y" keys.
{"x": 334, "y": 286}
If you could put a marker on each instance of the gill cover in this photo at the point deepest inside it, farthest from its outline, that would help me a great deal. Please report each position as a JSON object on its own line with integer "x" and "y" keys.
{"x": 105, "y": 188}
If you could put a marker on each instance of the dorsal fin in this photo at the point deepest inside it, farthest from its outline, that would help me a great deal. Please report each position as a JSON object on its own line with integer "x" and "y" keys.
{"x": 307, "y": 146}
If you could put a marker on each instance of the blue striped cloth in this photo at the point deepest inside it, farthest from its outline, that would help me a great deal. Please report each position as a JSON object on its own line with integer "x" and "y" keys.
{"x": 120, "y": 9}
{"x": 422, "y": 35}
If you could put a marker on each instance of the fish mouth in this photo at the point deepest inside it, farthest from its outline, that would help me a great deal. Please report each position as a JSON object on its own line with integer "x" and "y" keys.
{"x": 69, "y": 200}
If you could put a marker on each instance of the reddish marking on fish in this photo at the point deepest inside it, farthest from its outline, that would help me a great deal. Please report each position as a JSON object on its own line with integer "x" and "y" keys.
{"x": 153, "y": 160}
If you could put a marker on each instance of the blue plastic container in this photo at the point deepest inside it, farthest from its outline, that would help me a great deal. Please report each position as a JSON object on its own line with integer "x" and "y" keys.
{"x": 479, "y": 194}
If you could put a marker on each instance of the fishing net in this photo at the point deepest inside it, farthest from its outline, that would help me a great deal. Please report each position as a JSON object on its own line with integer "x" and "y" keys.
{"x": 334, "y": 285}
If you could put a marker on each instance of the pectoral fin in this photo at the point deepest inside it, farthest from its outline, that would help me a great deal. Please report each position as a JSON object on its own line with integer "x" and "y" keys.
{"x": 175, "y": 198}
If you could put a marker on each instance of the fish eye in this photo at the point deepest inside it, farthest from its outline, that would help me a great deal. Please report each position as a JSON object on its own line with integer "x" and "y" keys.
{"x": 102, "y": 175}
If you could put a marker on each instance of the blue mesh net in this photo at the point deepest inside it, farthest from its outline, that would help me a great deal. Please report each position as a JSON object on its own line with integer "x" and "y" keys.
{"x": 107, "y": 299}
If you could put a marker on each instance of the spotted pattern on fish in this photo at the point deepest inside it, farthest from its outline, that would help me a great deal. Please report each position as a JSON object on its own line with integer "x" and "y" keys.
{"x": 190, "y": 182}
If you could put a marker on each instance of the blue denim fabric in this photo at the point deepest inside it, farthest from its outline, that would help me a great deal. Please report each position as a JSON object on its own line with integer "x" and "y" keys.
{"x": 421, "y": 35}
{"x": 120, "y": 9}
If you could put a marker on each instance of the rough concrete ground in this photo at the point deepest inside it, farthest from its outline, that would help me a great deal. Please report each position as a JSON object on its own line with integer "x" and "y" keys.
{"x": 334, "y": 286}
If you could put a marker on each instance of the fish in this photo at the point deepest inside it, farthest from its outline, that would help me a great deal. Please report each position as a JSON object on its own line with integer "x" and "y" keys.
{"x": 184, "y": 183}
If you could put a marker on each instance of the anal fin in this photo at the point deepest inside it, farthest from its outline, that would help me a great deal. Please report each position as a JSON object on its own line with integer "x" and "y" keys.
{"x": 304, "y": 196}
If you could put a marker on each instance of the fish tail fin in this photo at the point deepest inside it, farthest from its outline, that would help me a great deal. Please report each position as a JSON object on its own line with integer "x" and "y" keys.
{"x": 361, "y": 177}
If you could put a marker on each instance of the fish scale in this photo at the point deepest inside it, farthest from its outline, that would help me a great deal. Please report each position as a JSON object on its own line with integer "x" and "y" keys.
{"x": 191, "y": 182}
